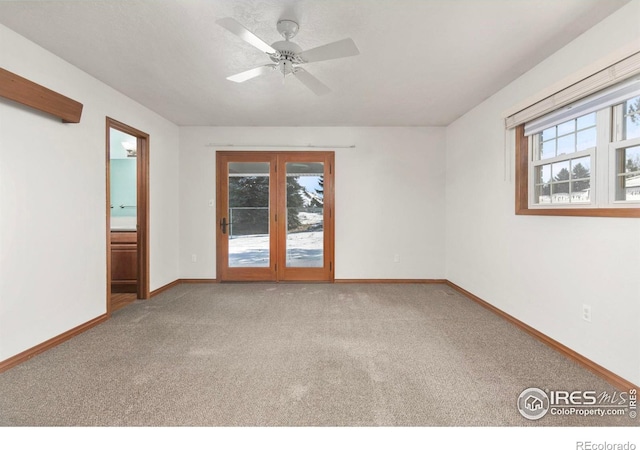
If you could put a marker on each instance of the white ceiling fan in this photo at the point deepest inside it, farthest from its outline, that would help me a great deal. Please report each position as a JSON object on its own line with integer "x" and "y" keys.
{"x": 288, "y": 56}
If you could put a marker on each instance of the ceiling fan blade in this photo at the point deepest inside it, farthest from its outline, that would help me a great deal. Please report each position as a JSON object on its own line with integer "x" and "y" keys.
{"x": 239, "y": 30}
{"x": 338, "y": 49}
{"x": 311, "y": 82}
{"x": 252, "y": 73}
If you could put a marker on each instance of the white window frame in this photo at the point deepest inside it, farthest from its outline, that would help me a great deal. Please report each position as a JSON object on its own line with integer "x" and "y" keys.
{"x": 614, "y": 147}
{"x": 603, "y": 164}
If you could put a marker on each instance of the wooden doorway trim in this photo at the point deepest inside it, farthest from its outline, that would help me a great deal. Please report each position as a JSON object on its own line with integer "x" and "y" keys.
{"x": 142, "y": 194}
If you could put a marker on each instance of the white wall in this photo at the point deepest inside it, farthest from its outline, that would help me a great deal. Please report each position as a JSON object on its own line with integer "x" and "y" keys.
{"x": 389, "y": 196}
{"x": 52, "y": 200}
{"x": 542, "y": 269}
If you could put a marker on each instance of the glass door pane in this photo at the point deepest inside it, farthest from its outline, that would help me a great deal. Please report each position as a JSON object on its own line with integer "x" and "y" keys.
{"x": 248, "y": 214}
{"x": 304, "y": 214}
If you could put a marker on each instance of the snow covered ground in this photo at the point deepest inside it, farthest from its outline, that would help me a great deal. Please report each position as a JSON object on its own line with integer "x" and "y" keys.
{"x": 249, "y": 251}
{"x": 310, "y": 218}
{"x": 303, "y": 250}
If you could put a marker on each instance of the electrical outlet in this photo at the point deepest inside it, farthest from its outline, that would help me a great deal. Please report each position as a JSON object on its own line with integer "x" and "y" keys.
{"x": 211, "y": 202}
{"x": 194, "y": 258}
{"x": 396, "y": 258}
{"x": 586, "y": 313}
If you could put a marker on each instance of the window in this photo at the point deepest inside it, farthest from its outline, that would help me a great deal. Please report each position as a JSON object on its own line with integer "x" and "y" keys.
{"x": 583, "y": 159}
{"x": 626, "y": 152}
{"x": 562, "y": 160}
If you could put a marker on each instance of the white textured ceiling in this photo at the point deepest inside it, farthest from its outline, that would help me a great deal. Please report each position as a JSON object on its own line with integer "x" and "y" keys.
{"x": 422, "y": 62}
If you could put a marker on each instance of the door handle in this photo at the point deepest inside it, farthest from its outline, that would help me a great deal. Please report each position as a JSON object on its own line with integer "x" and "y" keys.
{"x": 223, "y": 225}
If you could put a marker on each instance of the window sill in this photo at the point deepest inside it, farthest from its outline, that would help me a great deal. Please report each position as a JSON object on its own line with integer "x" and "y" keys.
{"x": 580, "y": 212}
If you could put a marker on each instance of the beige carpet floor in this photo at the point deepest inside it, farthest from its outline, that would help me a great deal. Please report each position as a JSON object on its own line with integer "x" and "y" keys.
{"x": 294, "y": 355}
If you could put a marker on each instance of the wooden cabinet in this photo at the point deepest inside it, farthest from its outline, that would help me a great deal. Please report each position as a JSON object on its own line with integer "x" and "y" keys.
{"x": 124, "y": 261}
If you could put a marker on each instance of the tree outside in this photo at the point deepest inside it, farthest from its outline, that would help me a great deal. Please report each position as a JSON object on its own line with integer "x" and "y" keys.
{"x": 249, "y": 204}
{"x": 580, "y": 171}
{"x": 561, "y": 185}
{"x": 318, "y": 202}
{"x": 295, "y": 203}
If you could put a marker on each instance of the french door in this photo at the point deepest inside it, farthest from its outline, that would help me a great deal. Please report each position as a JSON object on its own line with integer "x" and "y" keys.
{"x": 275, "y": 216}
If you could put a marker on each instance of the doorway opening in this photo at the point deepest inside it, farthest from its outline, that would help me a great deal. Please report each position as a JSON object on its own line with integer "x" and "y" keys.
{"x": 275, "y": 216}
{"x": 127, "y": 162}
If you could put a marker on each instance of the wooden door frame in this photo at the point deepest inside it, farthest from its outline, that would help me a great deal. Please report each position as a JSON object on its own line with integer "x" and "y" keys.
{"x": 222, "y": 192}
{"x": 277, "y": 268}
{"x": 142, "y": 195}
{"x": 326, "y": 273}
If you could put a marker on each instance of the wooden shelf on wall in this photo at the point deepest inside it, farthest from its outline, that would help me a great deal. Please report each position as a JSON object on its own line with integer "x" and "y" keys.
{"x": 21, "y": 90}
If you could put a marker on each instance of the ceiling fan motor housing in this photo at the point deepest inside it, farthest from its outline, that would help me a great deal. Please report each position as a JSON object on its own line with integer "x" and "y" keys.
{"x": 287, "y": 55}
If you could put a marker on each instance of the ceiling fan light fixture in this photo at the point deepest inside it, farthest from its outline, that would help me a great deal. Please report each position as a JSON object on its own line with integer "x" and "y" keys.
{"x": 286, "y": 67}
